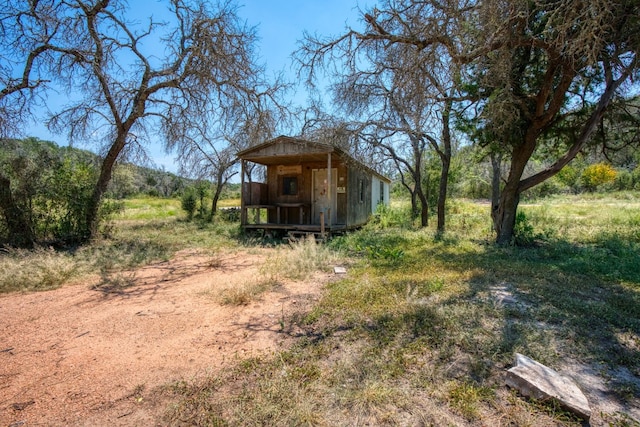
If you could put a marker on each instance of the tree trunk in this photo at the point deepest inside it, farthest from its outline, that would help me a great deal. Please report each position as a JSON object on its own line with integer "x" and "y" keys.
{"x": 504, "y": 215}
{"x": 214, "y": 204}
{"x": 20, "y": 232}
{"x": 442, "y": 194}
{"x": 424, "y": 214}
{"x": 202, "y": 209}
{"x": 445, "y": 158}
{"x": 496, "y": 171}
{"x": 424, "y": 206}
{"x": 415, "y": 212}
{"x": 214, "y": 201}
{"x": 106, "y": 170}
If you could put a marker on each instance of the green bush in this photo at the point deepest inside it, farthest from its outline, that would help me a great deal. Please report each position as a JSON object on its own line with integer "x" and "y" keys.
{"x": 387, "y": 216}
{"x": 51, "y": 188}
{"x": 570, "y": 177}
{"x": 624, "y": 180}
{"x": 597, "y": 175}
{"x": 523, "y": 234}
{"x": 188, "y": 203}
{"x": 636, "y": 178}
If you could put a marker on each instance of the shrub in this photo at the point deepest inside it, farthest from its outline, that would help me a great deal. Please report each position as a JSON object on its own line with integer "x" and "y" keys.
{"x": 596, "y": 175}
{"x": 523, "y": 234}
{"x": 37, "y": 270}
{"x": 50, "y": 187}
{"x": 188, "y": 203}
{"x": 636, "y": 178}
{"x": 570, "y": 177}
{"x": 300, "y": 260}
{"x": 387, "y": 216}
{"x": 624, "y": 180}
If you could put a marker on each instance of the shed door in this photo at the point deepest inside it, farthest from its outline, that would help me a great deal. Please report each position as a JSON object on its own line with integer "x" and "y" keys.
{"x": 321, "y": 195}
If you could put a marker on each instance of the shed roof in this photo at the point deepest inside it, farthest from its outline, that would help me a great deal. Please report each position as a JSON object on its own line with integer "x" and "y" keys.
{"x": 286, "y": 150}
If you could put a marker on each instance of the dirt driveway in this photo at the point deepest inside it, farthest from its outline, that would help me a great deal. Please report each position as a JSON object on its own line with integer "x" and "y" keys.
{"x": 80, "y": 356}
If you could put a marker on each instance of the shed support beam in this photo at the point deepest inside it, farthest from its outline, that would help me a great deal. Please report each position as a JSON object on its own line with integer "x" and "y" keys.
{"x": 243, "y": 210}
{"x": 329, "y": 189}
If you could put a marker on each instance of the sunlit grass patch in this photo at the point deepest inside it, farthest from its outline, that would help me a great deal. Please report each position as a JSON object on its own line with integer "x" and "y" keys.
{"x": 466, "y": 397}
{"x": 297, "y": 261}
{"x": 143, "y": 234}
{"x": 583, "y": 218}
{"x": 229, "y": 203}
{"x": 423, "y": 325}
{"x": 150, "y": 208}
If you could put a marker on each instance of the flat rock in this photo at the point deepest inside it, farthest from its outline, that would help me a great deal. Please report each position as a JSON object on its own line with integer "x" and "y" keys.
{"x": 339, "y": 270}
{"x": 533, "y": 379}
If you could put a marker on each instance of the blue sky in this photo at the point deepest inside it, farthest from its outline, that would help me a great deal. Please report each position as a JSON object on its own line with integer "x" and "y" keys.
{"x": 281, "y": 23}
{"x": 280, "y": 26}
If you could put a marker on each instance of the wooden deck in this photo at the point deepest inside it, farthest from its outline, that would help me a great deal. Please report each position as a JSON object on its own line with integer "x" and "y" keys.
{"x": 296, "y": 227}
{"x": 258, "y": 217}
{"x": 296, "y": 232}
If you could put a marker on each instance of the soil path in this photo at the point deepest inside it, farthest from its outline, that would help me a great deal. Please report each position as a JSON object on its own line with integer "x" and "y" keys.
{"x": 81, "y": 356}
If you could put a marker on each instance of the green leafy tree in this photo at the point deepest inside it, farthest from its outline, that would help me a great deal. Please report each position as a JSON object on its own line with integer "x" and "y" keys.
{"x": 202, "y": 191}
{"x": 19, "y": 176}
{"x": 46, "y": 190}
{"x": 123, "y": 182}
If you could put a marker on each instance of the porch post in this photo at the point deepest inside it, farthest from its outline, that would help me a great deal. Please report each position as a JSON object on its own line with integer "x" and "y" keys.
{"x": 330, "y": 189}
{"x": 243, "y": 210}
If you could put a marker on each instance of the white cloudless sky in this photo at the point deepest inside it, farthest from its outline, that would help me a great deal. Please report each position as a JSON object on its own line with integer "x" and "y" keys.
{"x": 280, "y": 26}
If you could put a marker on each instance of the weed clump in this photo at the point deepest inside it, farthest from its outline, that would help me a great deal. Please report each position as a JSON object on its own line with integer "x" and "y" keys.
{"x": 39, "y": 270}
{"x": 300, "y": 260}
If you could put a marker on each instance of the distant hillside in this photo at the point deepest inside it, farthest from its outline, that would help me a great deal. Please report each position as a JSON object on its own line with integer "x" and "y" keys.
{"x": 131, "y": 180}
{"x": 128, "y": 179}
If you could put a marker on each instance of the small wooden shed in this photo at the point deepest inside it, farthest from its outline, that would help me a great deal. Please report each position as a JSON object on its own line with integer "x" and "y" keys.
{"x": 301, "y": 195}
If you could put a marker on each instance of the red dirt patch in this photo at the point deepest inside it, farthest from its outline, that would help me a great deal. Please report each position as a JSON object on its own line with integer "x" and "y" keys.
{"x": 82, "y": 356}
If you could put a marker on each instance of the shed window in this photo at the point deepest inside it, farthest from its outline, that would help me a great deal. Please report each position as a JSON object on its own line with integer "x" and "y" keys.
{"x": 361, "y": 189}
{"x": 290, "y": 185}
{"x": 382, "y": 192}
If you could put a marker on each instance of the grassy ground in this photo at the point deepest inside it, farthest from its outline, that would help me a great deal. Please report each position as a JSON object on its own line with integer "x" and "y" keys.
{"x": 148, "y": 230}
{"x": 423, "y": 327}
{"x": 417, "y": 333}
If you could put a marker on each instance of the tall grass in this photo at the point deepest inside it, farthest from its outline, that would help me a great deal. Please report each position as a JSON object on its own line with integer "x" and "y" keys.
{"x": 418, "y": 332}
{"x": 300, "y": 259}
{"x": 297, "y": 261}
{"x": 151, "y": 208}
{"x": 38, "y": 270}
{"x": 148, "y": 230}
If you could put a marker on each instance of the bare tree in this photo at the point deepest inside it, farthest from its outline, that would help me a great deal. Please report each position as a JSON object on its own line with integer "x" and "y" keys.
{"x": 402, "y": 98}
{"x": 528, "y": 63}
{"x": 318, "y": 125}
{"x": 208, "y": 141}
{"x": 132, "y": 77}
{"x": 204, "y": 154}
{"x": 28, "y": 52}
